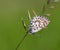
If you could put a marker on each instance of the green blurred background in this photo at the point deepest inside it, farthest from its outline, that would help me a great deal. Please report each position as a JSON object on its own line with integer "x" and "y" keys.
{"x": 12, "y": 31}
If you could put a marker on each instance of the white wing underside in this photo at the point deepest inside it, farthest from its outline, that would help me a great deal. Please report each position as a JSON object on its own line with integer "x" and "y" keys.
{"x": 37, "y": 23}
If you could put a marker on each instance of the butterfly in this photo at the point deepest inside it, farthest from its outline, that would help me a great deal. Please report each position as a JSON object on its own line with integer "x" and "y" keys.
{"x": 36, "y": 24}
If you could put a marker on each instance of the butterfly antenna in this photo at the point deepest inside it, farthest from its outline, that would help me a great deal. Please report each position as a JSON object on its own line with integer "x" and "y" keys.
{"x": 29, "y": 16}
{"x": 34, "y": 13}
{"x": 21, "y": 41}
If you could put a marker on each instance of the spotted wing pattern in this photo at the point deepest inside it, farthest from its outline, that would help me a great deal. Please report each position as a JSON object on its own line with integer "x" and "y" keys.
{"x": 37, "y": 23}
